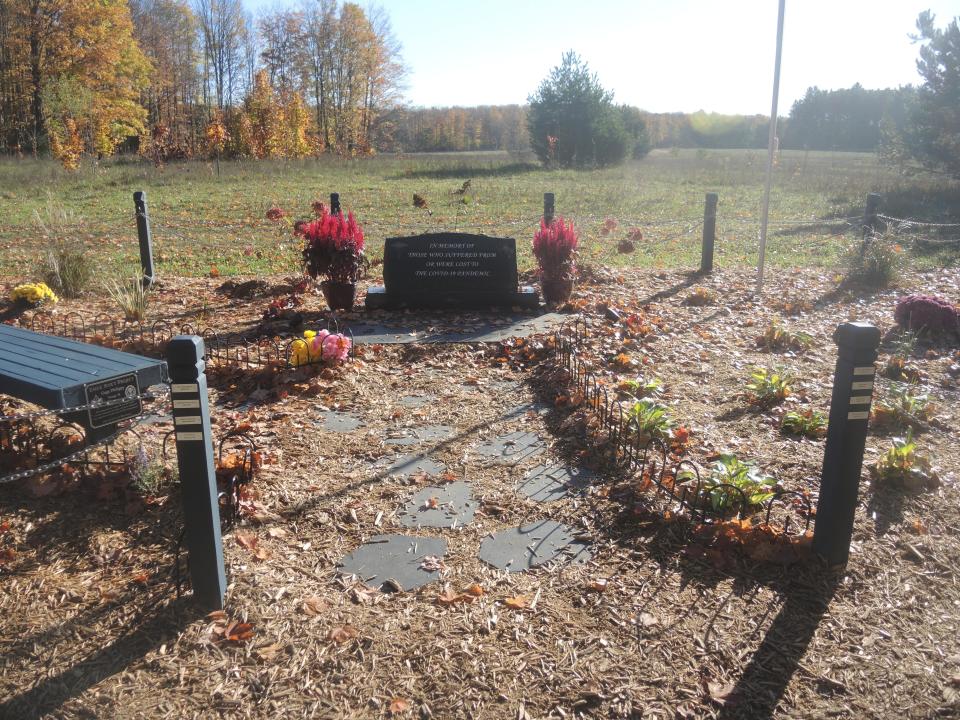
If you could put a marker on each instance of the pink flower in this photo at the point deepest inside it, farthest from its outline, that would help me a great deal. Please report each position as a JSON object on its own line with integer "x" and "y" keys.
{"x": 336, "y": 347}
{"x": 316, "y": 345}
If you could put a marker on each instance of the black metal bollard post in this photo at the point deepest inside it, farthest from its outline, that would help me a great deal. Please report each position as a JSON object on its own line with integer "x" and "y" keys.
{"x": 334, "y": 203}
{"x": 198, "y": 481}
{"x": 870, "y": 224}
{"x": 709, "y": 233}
{"x": 846, "y": 437}
{"x": 146, "y": 241}
{"x": 548, "y": 208}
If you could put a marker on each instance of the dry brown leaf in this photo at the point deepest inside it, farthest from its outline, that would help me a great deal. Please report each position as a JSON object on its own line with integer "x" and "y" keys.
{"x": 399, "y": 705}
{"x": 141, "y": 578}
{"x": 599, "y": 585}
{"x": 268, "y": 652}
{"x": 238, "y": 632}
{"x": 246, "y": 540}
{"x": 448, "y": 597}
{"x": 341, "y": 635}
{"x": 648, "y": 620}
{"x": 314, "y": 605}
{"x": 261, "y": 553}
{"x": 720, "y": 692}
{"x": 518, "y": 602}
{"x": 276, "y": 532}
{"x": 476, "y": 590}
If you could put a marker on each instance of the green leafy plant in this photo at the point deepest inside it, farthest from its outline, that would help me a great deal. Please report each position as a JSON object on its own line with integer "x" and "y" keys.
{"x": 728, "y": 475}
{"x": 649, "y": 419}
{"x": 898, "y": 365}
{"x": 809, "y": 423}
{"x": 768, "y": 387}
{"x": 67, "y": 269}
{"x": 778, "y": 337}
{"x": 639, "y": 388}
{"x": 903, "y": 407}
{"x": 902, "y": 465}
{"x": 132, "y": 296}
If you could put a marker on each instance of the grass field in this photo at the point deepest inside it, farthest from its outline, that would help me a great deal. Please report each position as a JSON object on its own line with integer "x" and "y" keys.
{"x": 202, "y": 221}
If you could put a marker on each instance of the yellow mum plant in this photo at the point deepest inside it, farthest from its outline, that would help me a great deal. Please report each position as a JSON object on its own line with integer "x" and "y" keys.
{"x": 33, "y": 293}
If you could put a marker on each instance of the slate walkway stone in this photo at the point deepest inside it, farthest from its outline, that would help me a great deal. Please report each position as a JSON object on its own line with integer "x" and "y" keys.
{"x": 341, "y": 422}
{"x": 471, "y": 328}
{"x": 413, "y": 464}
{"x": 425, "y": 433}
{"x": 513, "y": 447}
{"x": 384, "y": 560}
{"x": 530, "y": 546}
{"x": 546, "y": 483}
{"x": 440, "y": 507}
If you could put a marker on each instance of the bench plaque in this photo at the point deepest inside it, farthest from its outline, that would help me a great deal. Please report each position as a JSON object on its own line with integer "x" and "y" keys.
{"x": 450, "y": 270}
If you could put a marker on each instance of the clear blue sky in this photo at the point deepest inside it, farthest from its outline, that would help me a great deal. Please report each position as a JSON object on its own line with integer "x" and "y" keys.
{"x": 660, "y": 55}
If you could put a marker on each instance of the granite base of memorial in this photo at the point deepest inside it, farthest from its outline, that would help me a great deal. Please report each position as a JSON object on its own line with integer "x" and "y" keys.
{"x": 450, "y": 270}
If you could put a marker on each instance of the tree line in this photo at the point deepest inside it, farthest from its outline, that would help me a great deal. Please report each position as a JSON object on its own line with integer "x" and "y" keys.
{"x": 88, "y": 75}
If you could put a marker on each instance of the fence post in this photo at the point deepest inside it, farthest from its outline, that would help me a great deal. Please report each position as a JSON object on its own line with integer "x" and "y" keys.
{"x": 143, "y": 232}
{"x": 198, "y": 481}
{"x": 846, "y": 437}
{"x": 548, "y": 207}
{"x": 709, "y": 233}
{"x": 870, "y": 223}
{"x": 334, "y": 203}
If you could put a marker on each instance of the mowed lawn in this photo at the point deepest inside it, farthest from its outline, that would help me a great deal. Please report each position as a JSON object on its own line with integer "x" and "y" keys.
{"x": 202, "y": 221}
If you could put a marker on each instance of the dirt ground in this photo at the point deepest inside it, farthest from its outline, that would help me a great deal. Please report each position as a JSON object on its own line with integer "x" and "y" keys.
{"x": 656, "y": 624}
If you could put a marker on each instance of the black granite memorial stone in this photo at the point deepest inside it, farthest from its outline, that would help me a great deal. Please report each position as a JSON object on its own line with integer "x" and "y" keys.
{"x": 450, "y": 270}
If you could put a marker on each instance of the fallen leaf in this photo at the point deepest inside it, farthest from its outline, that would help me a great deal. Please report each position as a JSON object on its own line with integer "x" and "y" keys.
{"x": 314, "y": 605}
{"x": 246, "y": 540}
{"x": 599, "y": 585}
{"x": 341, "y": 635}
{"x": 476, "y": 590}
{"x": 720, "y": 692}
{"x": 448, "y": 598}
{"x": 261, "y": 553}
{"x": 214, "y": 272}
{"x": 238, "y": 632}
{"x": 141, "y": 578}
{"x": 399, "y": 705}
{"x": 276, "y": 532}
{"x": 518, "y": 602}
{"x": 648, "y": 620}
{"x": 268, "y": 652}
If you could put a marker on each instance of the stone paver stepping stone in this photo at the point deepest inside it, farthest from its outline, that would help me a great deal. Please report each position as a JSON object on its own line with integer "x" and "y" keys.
{"x": 342, "y": 422}
{"x": 529, "y": 546}
{"x": 551, "y": 482}
{"x": 513, "y": 447}
{"x": 406, "y": 561}
{"x": 415, "y": 401}
{"x": 413, "y": 464}
{"x": 440, "y": 507}
{"x": 426, "y": 433}
{"x": 536, "y": 407}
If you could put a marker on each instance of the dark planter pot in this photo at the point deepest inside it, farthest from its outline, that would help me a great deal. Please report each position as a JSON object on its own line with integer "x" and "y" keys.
{"x": 556, "y": 290}
{"x": 339, "y": 295}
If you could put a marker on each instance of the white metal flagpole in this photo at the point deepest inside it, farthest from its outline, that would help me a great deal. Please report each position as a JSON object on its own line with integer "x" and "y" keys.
{"x": 770, "y": 150}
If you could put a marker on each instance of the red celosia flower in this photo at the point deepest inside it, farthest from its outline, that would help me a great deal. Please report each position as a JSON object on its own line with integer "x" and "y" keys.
{"x": 554, "y": 246}
{"x": 333, "y": 246}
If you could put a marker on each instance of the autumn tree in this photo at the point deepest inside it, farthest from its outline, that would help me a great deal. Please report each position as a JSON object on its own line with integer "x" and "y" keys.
{"x": 74, "y": 70}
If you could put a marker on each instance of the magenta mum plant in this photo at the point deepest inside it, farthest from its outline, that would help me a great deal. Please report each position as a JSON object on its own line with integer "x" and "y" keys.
{"x": 927, "y": 312}
{"x": 555, "y": 246}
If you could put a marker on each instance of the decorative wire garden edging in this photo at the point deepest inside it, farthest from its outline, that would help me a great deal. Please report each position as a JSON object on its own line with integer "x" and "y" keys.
{"x": 24, "y": 436}
{"x": 651, "y": 460}
{"x": 236, "y": 351}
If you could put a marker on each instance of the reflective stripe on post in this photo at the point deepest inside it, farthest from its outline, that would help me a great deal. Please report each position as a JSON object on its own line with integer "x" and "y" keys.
{"x": 846, "y": 438}
{"x": 198, "y": 480}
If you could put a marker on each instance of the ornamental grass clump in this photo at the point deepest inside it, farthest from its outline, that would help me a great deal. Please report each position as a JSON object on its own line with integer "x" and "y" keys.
{"x": 555, "y": 246}
{"x": 332, "y": 246}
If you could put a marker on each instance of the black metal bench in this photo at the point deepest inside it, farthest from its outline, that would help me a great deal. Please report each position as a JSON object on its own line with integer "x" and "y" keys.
{"x": 98, "y": 388}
